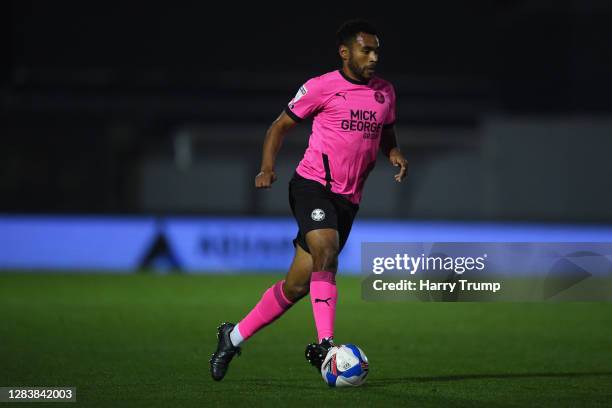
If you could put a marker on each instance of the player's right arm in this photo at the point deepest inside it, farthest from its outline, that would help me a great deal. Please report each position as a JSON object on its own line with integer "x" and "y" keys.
{"x": 272, "y": 144}
{"x": 305, "y": 102}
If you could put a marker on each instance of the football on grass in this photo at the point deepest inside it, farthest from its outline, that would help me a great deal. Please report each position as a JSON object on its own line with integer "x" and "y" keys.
{"x": 345, "y": 366}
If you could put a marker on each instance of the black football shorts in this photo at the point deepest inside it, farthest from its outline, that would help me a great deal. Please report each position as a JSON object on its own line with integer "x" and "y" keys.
{"x": 315, "y": 207}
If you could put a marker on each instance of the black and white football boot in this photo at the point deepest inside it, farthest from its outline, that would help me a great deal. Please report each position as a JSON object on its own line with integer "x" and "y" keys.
{"x": 316, "y": 352}
{"x": 219, "y": 362}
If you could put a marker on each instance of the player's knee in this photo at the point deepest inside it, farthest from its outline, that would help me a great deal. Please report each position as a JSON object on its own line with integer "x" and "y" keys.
{"x": 325, "y": 258}
{"x": 295, "y": 291}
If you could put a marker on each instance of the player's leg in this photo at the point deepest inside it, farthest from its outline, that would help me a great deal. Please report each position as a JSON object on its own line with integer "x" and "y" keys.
{"x": 277, "y": 299}
{"x": 324, "y": 247}
{"x": 273, "y": 304}
{"x": 297, "y": 281}
{"x": 326, "y": 244}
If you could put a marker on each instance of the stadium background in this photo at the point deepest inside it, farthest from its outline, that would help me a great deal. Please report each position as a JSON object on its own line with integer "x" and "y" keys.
{"x": 131, "y": 135}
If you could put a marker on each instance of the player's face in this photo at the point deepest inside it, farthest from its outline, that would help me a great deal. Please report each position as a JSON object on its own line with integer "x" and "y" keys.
{"x": 363, "y": 55}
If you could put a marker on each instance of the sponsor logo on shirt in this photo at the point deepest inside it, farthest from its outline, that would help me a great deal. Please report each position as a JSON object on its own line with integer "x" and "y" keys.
{"x": 341, "y": 94}
{"x": 363, "y": 121}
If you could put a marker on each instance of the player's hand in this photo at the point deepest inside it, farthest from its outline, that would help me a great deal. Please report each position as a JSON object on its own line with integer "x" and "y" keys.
{"x": 397, "y": 159}
{"x": 264, "y": 179}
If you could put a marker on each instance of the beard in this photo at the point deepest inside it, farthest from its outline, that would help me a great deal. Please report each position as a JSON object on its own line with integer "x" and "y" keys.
{"x": 358, "y": 71}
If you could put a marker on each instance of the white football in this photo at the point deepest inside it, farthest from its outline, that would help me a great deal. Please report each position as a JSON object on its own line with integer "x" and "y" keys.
{"x": 345, "y": 365}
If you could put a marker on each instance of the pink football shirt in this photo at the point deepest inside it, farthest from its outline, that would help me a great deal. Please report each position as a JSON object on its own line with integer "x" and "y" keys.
{"x": 348, "y": 118}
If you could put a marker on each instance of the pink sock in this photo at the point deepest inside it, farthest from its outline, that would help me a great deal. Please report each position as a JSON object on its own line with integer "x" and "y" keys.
{"x": 270, "y": 307}
{"x": 324, "y": 295}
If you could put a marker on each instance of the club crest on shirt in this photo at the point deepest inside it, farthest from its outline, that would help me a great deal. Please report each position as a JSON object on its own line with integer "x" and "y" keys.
{"x": 380, "y": 98}
{"x": 317, "y": 214}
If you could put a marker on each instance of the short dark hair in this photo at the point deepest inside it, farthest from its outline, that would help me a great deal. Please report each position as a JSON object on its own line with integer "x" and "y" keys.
{"x": 349, "y": 29}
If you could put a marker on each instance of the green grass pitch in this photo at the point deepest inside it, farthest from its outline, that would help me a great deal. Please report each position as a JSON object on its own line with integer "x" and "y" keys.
{"x": 144, "y": 340}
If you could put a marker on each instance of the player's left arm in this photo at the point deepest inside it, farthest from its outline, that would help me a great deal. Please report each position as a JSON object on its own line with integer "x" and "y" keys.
{"x": 389, "y": 147}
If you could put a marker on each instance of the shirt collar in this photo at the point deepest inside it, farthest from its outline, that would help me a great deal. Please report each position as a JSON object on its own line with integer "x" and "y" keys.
{"x": 351, "y": 80}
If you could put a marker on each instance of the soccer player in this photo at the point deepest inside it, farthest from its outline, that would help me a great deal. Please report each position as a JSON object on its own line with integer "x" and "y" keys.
{"x": 353, "y": 114}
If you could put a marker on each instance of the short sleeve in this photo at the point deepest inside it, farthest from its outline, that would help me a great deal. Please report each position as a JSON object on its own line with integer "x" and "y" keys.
{"x": 306, "y": 101}
{"x": 390, "y": 119}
